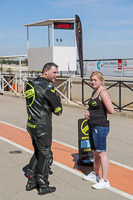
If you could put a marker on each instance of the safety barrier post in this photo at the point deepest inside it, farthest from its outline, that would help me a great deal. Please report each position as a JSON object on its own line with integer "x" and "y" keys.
{"x": 82, "y": 91}
{"x": 69, "y": 86}
{"x": 120, "y": 96}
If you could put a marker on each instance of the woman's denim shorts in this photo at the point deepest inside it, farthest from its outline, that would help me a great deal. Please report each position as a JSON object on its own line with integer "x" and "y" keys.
{"x": 98, "y": 137}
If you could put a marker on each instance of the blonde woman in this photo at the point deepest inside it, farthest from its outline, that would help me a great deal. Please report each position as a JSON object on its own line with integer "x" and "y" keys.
{"x": 99, "y": 105}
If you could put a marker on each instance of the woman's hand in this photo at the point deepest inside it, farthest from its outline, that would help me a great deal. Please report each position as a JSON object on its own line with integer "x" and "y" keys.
{"x": 87, "y": 115}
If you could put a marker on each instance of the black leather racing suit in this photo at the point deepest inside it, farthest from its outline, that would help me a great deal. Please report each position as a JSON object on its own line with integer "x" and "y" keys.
{"x": 41, "y": 101}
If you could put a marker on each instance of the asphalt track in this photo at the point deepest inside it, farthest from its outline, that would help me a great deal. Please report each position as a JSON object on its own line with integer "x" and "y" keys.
{"x": 16, "y": 150}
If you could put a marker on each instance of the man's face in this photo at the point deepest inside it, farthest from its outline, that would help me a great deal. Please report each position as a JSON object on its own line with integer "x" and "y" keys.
{"x": 51, "y": 74}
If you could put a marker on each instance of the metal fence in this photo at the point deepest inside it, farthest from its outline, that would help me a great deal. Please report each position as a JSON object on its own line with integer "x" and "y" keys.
{"x": 65, "y": 83}
{"x": 112, "y": 83}
{"x": 16, "y": 85}
{"x": 8, "y": 83}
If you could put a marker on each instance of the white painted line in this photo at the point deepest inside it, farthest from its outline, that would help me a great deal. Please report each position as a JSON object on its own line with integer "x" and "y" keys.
{"x": 121, "y": 165}
{"x": 124, "y": 194}
{"x": 13, "y": 125}
{"x": 16, "y": 145}
{"x": 67, "y": 168}
{"x": 114, "y": 162}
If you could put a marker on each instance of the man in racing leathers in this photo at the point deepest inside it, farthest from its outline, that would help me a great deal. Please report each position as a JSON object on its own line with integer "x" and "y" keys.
{"x": 41, "y": 101}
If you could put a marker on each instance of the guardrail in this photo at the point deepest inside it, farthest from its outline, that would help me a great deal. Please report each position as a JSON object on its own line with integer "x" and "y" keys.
{"x": 115, "y": 83}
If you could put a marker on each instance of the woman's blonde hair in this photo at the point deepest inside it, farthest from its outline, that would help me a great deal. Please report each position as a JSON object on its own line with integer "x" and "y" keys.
{"x": 98, "y": 74}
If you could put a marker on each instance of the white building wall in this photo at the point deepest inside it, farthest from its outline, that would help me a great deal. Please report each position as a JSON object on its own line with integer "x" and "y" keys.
{"x": 64, "y": 57}
{"x": 37, "y": 57}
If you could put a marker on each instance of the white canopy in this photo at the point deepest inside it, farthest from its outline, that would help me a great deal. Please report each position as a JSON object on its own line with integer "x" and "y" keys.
{"x": 50, "y": 22}
{"x": 63, "y": 56}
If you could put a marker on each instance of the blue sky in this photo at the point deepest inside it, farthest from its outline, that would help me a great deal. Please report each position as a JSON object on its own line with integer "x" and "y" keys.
{"x": 107, "y": 25}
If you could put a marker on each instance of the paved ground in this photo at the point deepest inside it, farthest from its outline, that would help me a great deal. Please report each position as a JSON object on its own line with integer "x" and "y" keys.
{"x": 69, "y": 185}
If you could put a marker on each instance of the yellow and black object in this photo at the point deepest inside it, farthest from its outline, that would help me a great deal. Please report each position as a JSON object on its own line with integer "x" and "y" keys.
{"x": 85, "y": 152}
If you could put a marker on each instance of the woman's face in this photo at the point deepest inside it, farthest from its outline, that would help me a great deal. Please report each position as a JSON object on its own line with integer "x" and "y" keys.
{"x": 95, "y": 82}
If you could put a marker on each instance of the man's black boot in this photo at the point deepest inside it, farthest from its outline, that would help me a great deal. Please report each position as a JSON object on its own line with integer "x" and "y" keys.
{"x": 31, "y": 184}
{"x": 43, "y": 186}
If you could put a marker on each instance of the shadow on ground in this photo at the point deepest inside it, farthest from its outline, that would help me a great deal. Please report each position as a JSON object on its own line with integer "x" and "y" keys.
{"x": 84, "y": 168}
